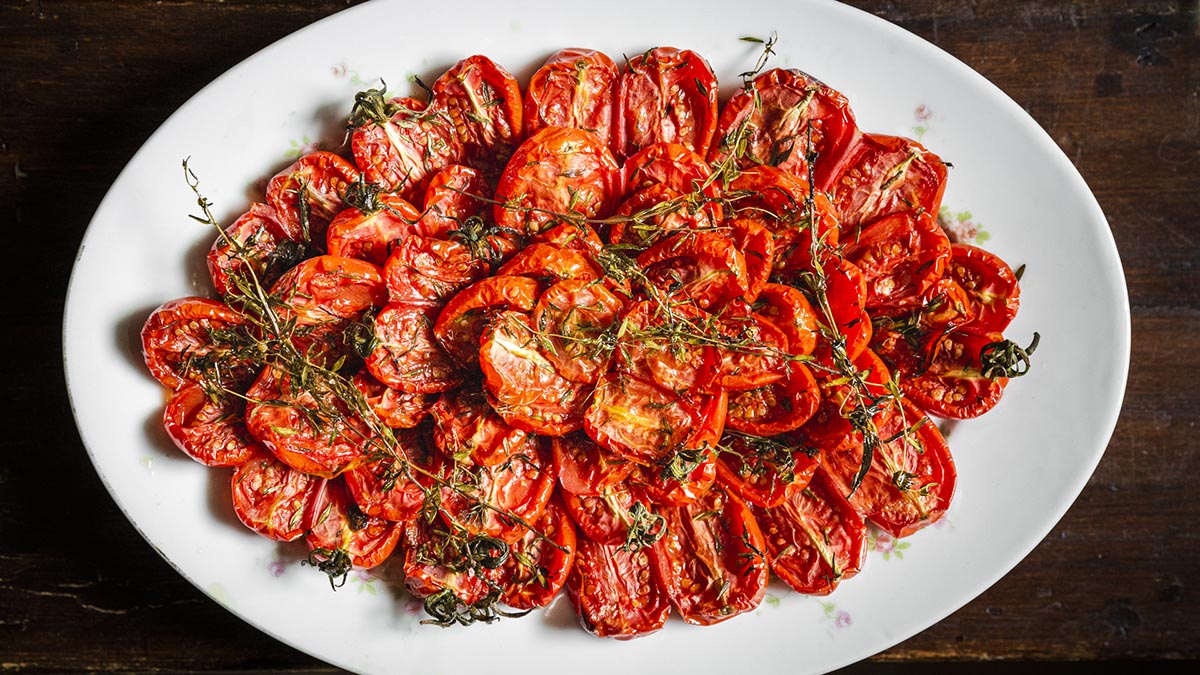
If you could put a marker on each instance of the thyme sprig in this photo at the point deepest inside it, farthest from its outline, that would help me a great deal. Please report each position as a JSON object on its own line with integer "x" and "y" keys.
{"x": 1006, "y": 358}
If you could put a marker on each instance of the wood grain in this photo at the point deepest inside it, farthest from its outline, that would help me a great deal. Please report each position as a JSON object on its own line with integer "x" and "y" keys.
{"x": 1116, "y": 84}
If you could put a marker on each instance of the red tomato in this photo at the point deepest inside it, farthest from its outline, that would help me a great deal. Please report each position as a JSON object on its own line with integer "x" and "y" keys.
{"x": 210, "y": 431}
{"x": 901, "y": 256}
{"x": 664, "y": 490}
{"x": 782, "y": 203}
{"x": 550, "y": 263}
{"x": 770, "y": 122}
{"x": 712, "y": 559}
{"x": 523, "y": 385}
{"x": 761, "y": 470}
{"x": 196, "y": 339}
{"x": 403, "y": 144}
{"x": 489, "y": 500}
{"x": 395, "y": 408}
{"x": 336, "y": 524}
{"x": 328, "y": 289}
{"x": 638, "y": 420}
{"x": 461, "y": 324}
{"x": 789, "y": 311}
{"x": 757, "y": 245}
{"x": 776, "y": 408}
{"x": 575, "y": 236}
{"x": 308, "y": 194}
{"x": 423, "y": 270}
{"x": 557, "y": 175}
{"x": 571, "y": 317}
{"x": 385, "y": 488}
{"x": 703, "y": 266}
{"x": 484, "y": 102}
{"x": 846, "y": 292}
{"x": 883, "y": 175}
{"x": 371, "y": 235}
{"x": 666, "y": 95}
{"x": 538, "y": 564}
{"x": 585, "y": 467}
{"x": 658, "y": 342}
{"x": 433, "y": 562}
{"x": 952, "y": 384}
{"x": 603, "y": 517}
{"x": 814, "y": 538}
{"x": 755, "y": 350}
{"x": 912, "y": 475}
{"x": 272, "y": 498}
{"x": 407, "y": 357}
{"x": 989, "y": 283}
{"x": 251, "y": 240}
{"x": 678, "y": 168}
{"x": 468, "y": 430}
{"x": 313, "y": 432}
{"x": 614, "y": 591}
{"x": 575, "y": 88}
{"x": 454, "y": 194}
{"x": 651, "y": 213}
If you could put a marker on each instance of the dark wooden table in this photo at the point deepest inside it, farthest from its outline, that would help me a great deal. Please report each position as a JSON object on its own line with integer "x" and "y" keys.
{"x": 1116, "y": 84}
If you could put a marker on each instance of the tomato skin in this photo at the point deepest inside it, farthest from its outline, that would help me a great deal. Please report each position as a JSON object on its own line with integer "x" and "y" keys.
{"x": 789, "y": 311}
{"x": 666, "y": 491}
{"x": 883, "y": 175}
{"x": 336, "y": 524}
{"x": 255, "y": 232}
{"x": 778, "y": 407}
{"x": 454, "y": 194}
{"x": 703, "y": 266}
{"x": 759, "y": 478}
{"x": 814, "y": 538}
{"x": 483, "y": 100}
{"x": 428, "y": 271}
{"x": 614, "y": 591}
{"x": 523, "y": 385}
{"x": 776, "y": 111}
{"x": 674, "y": 166}
{"x": 272, "y": 498}
{"x": 381, "y": 489}
{"x": 574, "y": 236}
{"x": 536, "y": 570}
{"x": 425, "y": 575}
{"x": 521, "y": 486}
{"x": 901, "y": 256}
{"x": 275, "y": 418}
{"x": 653, "y": 213}
{"x": 371, "y": 236}
{"x": 761, "y": 361}
{"x": 638, "y": 420}
{"x": 178, "y": 344}
{"x": 603, "y": 517}
{"x": 846, "y": 291}
{"x": 550, "y": 263}
{"x": 757, "y": 245}
{"x": 402, "y": 154}
{"x": 584, "y": 467}
{"x": 649, "y": 351}
{"x": 308, "y": 194}
{"x": 952, "y": 384}
{"x": 461, "y": 323}
{"x": 575, "y": 88}
{"x": 572, "y": 315}
{"x": 666, "y": 95}
{"x": 210, "y": 432}
{"x": 408, "y": 357}
{"x": 711, "y": 560}
{"x": 990, "y": 284}
{"x": 779, "y": 201}
{"x": 395, "y": 408}
{"x": 469, "y": 431}
{"x": 328, "y": 289}
{"x": 556, "y": 171}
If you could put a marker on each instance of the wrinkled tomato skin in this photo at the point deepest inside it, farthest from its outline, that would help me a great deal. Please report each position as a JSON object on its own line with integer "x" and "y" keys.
{"x": 901, "y": 256}
{"x": 537, "y": 568}
{"x": 654, "y": 220}
{"x": 774, "y": 118}
{"x": 703, "y": 266}
{"x": 952, "y": 384}
{"x": 468, "y": 430}
{"x": 483, "y": 100}
{"x": 274, "y": 417}
{"x": 990, "y": 284}
{"x": 179, "y": 332}
{"x": 614, "y": 592}
{"x": 556, "y": 171}
{"x": 397, "y": 409}
{"x": 336, "y": 524}
{"x": 638, "y": 420}
{"x": 573, "y": 315}
{"x": 550, "y": 263}
{"x": 323, "y": 177}
{"x": 371, "y": 236}
{"x": 428, "y": 271}
{"x": 666, "y": 490}
{"x": 846, "y": 291}
{"x": 454, "y": 194}
{"x": 603, "y": 517}
{"x": 756, "y": 481}
{"x": 778, "y": 407}
{"x": 407, "y": 356}
{"x": 584, "y": 467}
{"x": 787, "y": 309}
{"x": 401, "y": 154}
{"x": 521, "y": 486}
{"x": 711, "y": 559}
{"x": 666, "y": 95}
{"x": 884, "y": 175}
{"x": 328, "y": 289}
{"x": 646, "y": 350}
{"x": 254, "y": 233}
{"x": 272, "y": 498}
{"x": 382, "y": 489}
{"x": 575, "y": 88}
{"x": 424, "y": 578}
{"x": 814, "y": 538}
{"x": 210, "y": 432}
{"x": 761, "y": 361}
{"x": 461, "y": 323}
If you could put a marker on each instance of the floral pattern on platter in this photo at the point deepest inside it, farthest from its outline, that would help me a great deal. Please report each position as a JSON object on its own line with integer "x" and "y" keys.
{"x": 839, "y": 617}
{"x": 882, "y": 542}
{"x": 961, "y": 227}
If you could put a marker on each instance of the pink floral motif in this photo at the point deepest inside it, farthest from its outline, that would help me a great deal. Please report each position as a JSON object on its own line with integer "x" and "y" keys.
{"x": 961, "y": 227}
{"x": 276, "y": 567}
{"x": 889, "y": 546}
{"x": 839, "y": 617}
{"x": 842, "y": 620}
{"x": 923, "y": 113}
{"x": 339, "y": 70}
